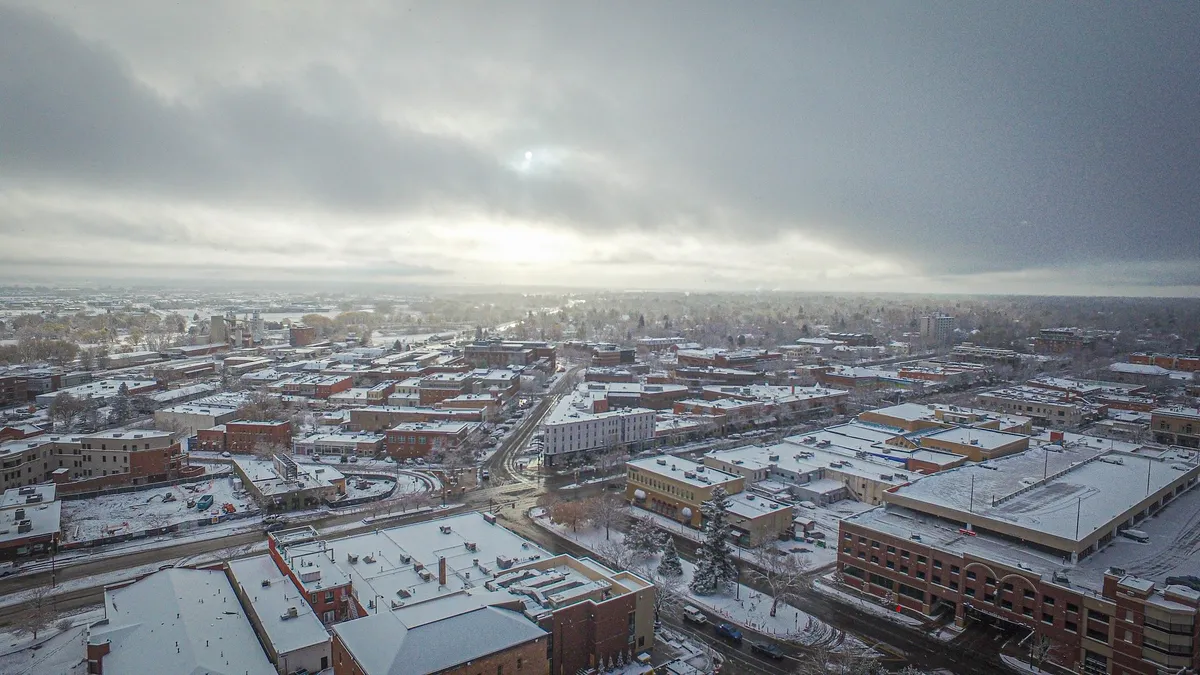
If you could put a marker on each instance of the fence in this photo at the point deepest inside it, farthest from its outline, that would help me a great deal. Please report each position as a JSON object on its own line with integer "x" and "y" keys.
{"x": 156, "y": 531}
{"x": 144, "y": 486}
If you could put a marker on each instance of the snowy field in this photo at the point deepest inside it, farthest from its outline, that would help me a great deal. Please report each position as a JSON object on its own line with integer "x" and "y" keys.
{"x": 87, "y": 519}
{"x": 741, "y": 605}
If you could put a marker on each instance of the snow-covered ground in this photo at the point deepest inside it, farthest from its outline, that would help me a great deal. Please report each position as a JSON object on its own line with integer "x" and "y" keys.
{"x": 55, "y": 652}
{"x": 98, "y": 517}
{"x": 739, "y": 604}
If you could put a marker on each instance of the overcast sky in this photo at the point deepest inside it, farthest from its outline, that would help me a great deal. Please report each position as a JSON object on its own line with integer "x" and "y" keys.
{"x": 911, "y": 146}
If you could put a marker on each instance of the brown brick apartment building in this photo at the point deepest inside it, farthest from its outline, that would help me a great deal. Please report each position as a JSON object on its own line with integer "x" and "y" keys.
{"x": 421, "y": 439}
{"x": 12, "y": 390}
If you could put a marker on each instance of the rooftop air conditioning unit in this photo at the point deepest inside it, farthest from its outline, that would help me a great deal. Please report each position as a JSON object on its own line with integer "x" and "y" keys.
{"x": 661, "y": 462}
{"x": 291, "y": 613}
{"x": 368, "y": 558}
{"x": 266, "y": 583}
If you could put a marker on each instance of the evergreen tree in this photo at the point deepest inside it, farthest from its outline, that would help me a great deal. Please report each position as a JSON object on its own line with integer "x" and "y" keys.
{"x": 644, "y": 537}
{"x": 714, "y": 566}
{"x": 120, "y": 405}
{"x": 670, "y": 565}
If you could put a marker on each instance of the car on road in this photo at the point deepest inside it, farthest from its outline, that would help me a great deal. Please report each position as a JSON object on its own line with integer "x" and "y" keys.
{"x": 729, "y": 632}
{"x": 272, "y": 527}
{"x": 767, "y": 649}
{"x": 485, "y": 474}
{"x": 692, "y": 614}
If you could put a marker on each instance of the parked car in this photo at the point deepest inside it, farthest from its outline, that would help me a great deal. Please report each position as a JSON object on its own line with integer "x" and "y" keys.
{"x": 767, "y": 649}
{"x": 729, "y": 632}
{"x": 692, "y": 614}
{"x": 226, "y": 454}
{"x": 353, "y": 459}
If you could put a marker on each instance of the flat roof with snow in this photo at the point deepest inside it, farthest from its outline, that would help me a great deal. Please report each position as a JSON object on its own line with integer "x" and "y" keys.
{"x": 682, "y": 470}
{"x": 400, "y": 565}
{"x": 985, "y": 439}
{"x": 384, "y": 645}
{"x": 1087, "y": 492}
{"x": 272, "y": 594}
{"x": 179, "y": 621}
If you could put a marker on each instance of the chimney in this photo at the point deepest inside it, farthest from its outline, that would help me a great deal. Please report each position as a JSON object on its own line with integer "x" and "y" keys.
{"x": 442, "y": 571}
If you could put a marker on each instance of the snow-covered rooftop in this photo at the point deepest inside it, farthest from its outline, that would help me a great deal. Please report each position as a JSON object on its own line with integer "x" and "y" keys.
{"x": 272, "y": 594}
{"x": 42, "y": 516}
{"x": 384, "y": 645}
{"x": 1086, "y": 487}
{"x": 179, "y": 621}
{"x": 749, "y": 505}
{"x": 985, "y": 439}
{"x": 268, "y": 481}
{"x": 682, "y": 470}
{"x": 402, "y": 567}
{"x": 797, "y": 455}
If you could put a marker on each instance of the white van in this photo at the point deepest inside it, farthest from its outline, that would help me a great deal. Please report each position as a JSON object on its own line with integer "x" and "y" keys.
{"x": 692, "y": 614}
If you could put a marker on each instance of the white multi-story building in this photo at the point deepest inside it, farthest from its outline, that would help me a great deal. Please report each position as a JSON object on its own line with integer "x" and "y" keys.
{"x": 583, "y": 423}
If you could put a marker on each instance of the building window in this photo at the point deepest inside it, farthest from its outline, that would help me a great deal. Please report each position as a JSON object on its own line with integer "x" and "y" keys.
{"x": 1072, "y": 607}
{"x": 1030, "y": 594}
{"x": 1048, "y": 600}
{"x": 1048, "y": 618}
{"x": 971, "y": 576}
{"x": 1008, "y": 586}
{"x": 937, "y": 564}
{"x": 874, "y": 544}
{"x": 1027, "y": 611}
{"x": 891, "y": 565}
{"x": 954, "y": 585}
{"x": 1071, "y": 626}
{"x": 874, "y": 560}
{"x": 937, "y": 580}
{"x": 921, "y": 559}
{"x": 904, "y": 569}
{"x": 954, "y": 570}
{"x": 891, "y": 549}
{"x": 921, "y": 574}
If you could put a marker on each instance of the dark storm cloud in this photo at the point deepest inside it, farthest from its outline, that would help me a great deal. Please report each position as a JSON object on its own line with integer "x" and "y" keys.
{"x": 72, "y": 115}
{"x": 965, "y": 137}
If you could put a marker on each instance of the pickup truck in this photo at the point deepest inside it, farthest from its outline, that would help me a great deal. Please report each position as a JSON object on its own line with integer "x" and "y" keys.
{"x": 693, "y": 615}
{"x": 729, "y": 632}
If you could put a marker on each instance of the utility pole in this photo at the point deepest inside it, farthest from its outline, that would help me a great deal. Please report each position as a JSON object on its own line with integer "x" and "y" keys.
{"x": 1149, "y": 465}
{"x": 971, "y": 507}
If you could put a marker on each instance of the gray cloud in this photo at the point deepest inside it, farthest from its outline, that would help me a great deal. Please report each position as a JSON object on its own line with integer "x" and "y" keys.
{"x": 960, "y": 137}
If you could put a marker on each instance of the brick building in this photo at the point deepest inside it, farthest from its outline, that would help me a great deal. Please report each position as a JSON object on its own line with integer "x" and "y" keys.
{"x": 1176, "y": 425}
{"x": 94, "y": 461}
{"x": 421, "y": 439}
{"x": 952, "y": 541}
{"x": 12, "y": 390}
{"x": 245, "y": 436}
{"x": 300, "y": 335}
{"x": 500, "y": 354}
{"x": 438, "y": 387}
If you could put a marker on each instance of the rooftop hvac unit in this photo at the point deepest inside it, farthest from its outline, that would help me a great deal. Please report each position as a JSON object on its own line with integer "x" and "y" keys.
{"x": 404, "y": 559}
{"x": 470, "y": 546}
{"x": 24, "y": 526}
{"x": 306, "y": 577}
{"x": 266, "y": 583}
{"x": 368, "y": 558}
{"x": 33, "y": 499}
{"x": 404, "y": 593}
{"x": 19, "y": 514}
{"x": 291, "y": 613}
{"x": 444, "y": 528}
{"x": 700, "y": 469}
{"x": 352, "y": 558}
{"x": 661, "y": 461}
{"x": 689, "y": 474}
{"x": 772, "y": 458}
{"x": 750, "y": 498}
{"x": 426, "y": 575}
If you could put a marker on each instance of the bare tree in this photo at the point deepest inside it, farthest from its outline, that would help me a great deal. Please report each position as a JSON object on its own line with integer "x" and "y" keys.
{"x": 569, "y": 513}
{"x": 823, "y": 660}
{"x": 38, "y": 614}
{"x": 615, "y": 553}
{"x": 607, "y": 511}
{"x": 784, "y": 574}
{"x": 669, "y": 589}
{"x": 1039, "y": 650}
{"x": 64, "y": 408}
